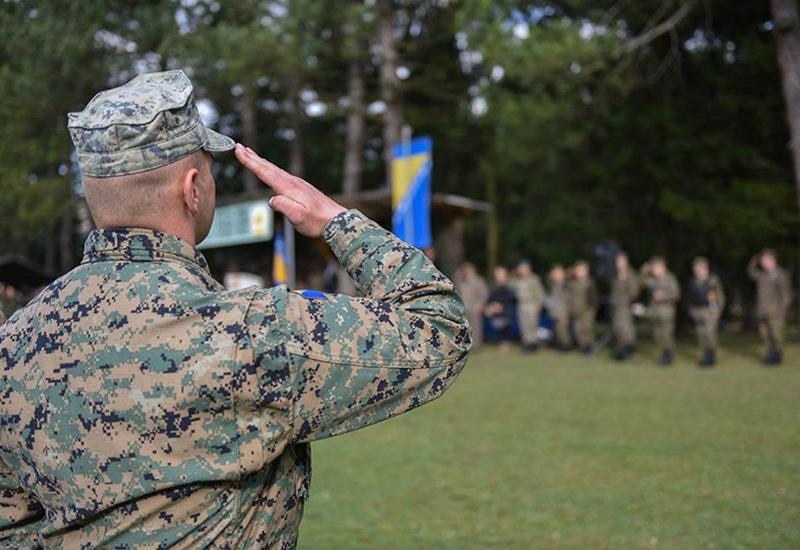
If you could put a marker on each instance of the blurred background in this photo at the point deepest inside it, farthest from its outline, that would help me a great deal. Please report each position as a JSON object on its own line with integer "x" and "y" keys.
{"x": 657, "y": 125}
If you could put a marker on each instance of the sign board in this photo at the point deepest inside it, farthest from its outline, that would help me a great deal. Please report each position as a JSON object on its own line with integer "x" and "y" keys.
{"x": 241, "y": 223}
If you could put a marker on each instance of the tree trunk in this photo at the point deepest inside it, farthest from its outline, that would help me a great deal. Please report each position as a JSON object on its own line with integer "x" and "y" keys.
{"x": 390, "y": 84}
{"x": 65, "y": 238}
{"x": 787, "y": 36}
{"x": 353, "y": 155}
{"x": 249, "y": 134}
{"x": 296, "y": 148}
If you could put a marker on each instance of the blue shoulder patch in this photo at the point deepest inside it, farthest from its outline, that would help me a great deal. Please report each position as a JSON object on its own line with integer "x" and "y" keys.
{"x": 312, "y": 294}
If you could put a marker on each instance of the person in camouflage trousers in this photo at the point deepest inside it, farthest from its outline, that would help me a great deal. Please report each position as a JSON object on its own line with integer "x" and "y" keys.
{"x": 706, "y": 303}
{"x": 773, "y": 298}
{"x": 530, "y": 295}
{"x": 557, "y": 303}
{"x": 583, "y": 302}
{"x": 475, "y": 292}
{"x": 625, "y": 287}
{"x": 144, "y": 406}
{"x": 664, "y": 295}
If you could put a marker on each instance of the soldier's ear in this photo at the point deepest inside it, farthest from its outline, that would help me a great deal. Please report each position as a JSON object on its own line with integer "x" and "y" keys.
{"x": 191, "y": 191}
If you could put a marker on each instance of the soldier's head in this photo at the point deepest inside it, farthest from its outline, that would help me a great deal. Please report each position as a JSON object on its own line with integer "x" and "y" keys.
{"x": 700, "y": 268}
{"x": 769, "y": 260}
{"x": 500, "y": 275}
{"x": 145, "y": 157}
{"x": 557, "y": 273}
{"x": 469, "y": 270}
{"x": 523, "y": 268}
{"x": 622, "y": 263}
{"x": 580, "y": 270}
{"x": 658, "y": 266}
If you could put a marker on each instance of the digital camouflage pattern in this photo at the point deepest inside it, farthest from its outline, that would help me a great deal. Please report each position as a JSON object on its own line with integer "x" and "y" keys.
{"x": 147, "y": 123}
{"x": 143, "y": 406}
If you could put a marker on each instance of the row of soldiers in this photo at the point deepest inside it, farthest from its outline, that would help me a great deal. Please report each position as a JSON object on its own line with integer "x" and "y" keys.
{"x": 572, "y": 301}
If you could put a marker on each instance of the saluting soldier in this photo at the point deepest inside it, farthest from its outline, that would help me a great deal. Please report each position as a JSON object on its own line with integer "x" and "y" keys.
{"x": 583, "y": 304}
{"x": 774, "y": 296}
{"x": 475, "y": 292}
{"x": 706, "y": 303}
{"x": 625, "y": 288}
{"x": 664, "y": 295}
{"x": 144, "y": 406}
{"x": 558, "y": 306}
{"x": 528, "y": 289}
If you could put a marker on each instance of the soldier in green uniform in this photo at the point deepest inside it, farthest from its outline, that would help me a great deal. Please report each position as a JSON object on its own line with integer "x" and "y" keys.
{"x": 583, "y": 303}
{"x": 475, "y": 292}
{"x": 774, "y": 296}
{"x": 144, "y": 406}
{"x": 706, "y": 302}
{"x": 664, "y": 296}
{"x": 527, "y": 287}
{"x": 625, "y": 288}
{"x": 557, "y": 303}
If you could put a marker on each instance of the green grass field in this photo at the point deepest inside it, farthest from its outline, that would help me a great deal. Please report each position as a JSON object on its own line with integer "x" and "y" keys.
{"x": 562, "y": 451}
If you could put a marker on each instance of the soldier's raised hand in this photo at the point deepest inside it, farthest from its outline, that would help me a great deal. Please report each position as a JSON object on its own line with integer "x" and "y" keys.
{"x": 308, "y": 208}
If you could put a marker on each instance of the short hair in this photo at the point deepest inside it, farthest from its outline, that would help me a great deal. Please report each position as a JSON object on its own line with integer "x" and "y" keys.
{"x": 769, "y": 252}
{"x": 125, "y": 200}
{"x": 700, "y": 261}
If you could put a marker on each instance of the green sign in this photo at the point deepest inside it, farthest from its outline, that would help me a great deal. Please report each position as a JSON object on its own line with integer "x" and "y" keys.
{"x": 242, "y": 223}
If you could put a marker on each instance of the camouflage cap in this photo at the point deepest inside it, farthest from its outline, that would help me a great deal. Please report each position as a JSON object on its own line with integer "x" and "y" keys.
{"x": 147, "y": 123}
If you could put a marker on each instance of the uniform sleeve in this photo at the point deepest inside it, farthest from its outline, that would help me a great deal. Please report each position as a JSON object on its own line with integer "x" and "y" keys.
{"x": 673, "y": 290}
{"x": 786, "y": 291}
{"x": 752, "y": 268}
{"x": 357, "y": 361}
{"x": 634, "y": 286}
{"x": 721, "y": 300}
{"x": 20, "y": 513}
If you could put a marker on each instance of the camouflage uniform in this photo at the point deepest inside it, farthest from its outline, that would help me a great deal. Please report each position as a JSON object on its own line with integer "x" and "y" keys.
{"x": 557, "y": 305}
{"x": 624, "y": 289}
{"x": 146, "y": 407}
{"x": 475, "y": 293}
{"x": 530, "y": 297}
{"x": 582, "y": 310}
{"x": 773, "y": 298}
{"x": 2, "y": 317}
{"x": 707, "y": 300}
{"x": 662, "y": 309}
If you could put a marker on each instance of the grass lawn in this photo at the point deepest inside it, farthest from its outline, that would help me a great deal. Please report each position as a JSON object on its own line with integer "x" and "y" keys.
{"x": 562, "y": 451}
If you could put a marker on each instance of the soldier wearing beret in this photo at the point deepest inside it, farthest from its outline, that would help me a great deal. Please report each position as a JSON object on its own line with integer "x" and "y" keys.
{"x": 773, "y": 298}
{"x": 146, "y": 407}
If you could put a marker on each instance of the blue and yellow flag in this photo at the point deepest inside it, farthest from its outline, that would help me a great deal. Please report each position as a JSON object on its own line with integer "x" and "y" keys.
{"x": 280, "y": 262}
{"x": 411, "y": 191}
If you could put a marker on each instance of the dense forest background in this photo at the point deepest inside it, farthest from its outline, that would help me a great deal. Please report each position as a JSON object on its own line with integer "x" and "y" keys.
{"x": 660, "y": 124}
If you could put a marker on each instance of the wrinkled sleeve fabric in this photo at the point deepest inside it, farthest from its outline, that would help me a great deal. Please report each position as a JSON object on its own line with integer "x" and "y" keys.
{"x": 20, "y": 513}
{"x": 357, "y": 361}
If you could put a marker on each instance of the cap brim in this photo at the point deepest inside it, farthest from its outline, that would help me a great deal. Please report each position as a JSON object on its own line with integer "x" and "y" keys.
{"x": 218, "y": 143}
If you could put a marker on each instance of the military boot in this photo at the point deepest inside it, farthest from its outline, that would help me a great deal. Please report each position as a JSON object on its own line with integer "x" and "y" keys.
{"x": 666, "y": 358}
{"x": 772, "y": 359}
{"x": 709, "y": 359}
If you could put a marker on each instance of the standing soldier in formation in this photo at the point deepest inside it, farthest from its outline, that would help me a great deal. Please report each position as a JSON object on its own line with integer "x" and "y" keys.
{"x": 664, "y": 296}
{"x": 558, "y": 306}
{"x": 706, "y": 302}
{"x": 530, "y": 296}
{"x": 582, "y": 305}
{"x": 474, "y": 291}
{"x": 774, "y": 296}
{"x": 624, "y": 289}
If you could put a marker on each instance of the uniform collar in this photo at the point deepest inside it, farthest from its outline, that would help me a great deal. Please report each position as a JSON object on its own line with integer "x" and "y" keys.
{"x": 139, "y": 245}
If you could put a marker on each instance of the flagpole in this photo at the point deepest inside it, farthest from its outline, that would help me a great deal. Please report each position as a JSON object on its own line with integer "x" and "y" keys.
{"x": 288, "y": 242}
